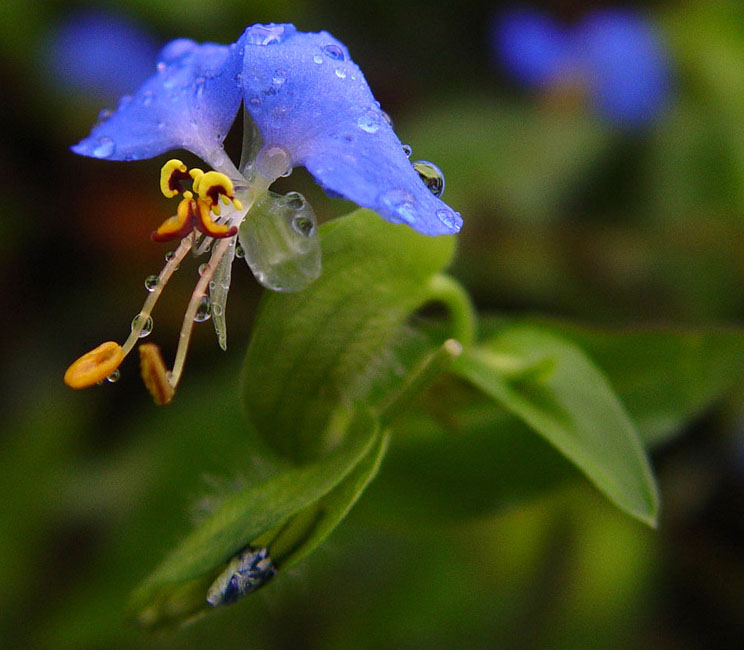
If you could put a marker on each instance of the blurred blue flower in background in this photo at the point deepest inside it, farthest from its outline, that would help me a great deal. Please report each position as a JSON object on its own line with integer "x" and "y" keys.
{"x": 616, "y": 56}
{"x": 102, "y": 55}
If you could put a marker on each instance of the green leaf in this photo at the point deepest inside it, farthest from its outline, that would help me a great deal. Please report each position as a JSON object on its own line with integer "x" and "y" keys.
{"x": 572, "y": 405}
{"x": 176, "y": 590}
{"x": 322, "y": 347}
{"x": 664, "y": 376}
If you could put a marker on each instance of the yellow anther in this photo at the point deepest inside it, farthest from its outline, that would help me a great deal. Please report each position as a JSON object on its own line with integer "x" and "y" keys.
{"x": 155, "y": 374}
{"x": 212, "y": 185}
{"x": 179, "y": 225}
{"x": 196, "y": 174}
{"x": 171, "y": 173}
{"x": 94, "y": 366}
{"x": 238, "y": 205}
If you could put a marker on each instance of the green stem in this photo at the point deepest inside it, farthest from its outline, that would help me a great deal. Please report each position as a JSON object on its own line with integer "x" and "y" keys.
{"x": 445, "y": 289}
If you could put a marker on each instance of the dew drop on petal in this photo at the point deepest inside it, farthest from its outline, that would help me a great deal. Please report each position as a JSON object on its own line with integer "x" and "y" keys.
{"x": 144, "y": 325}
{"x": 273, "y": 162}
{"x": 170, "y": 255}
{"x": 151, "y": 281}
{"x": 217, "y": 310}
{"x": 334, "y": 52}
{"x": 448, "y": 217}
{"x": 401, "y": 203}
{"x": 369, "y": 121}
{"x": 318, "y": 59}
{"x": 341, "y": 73}
{"x": 280, "y": 76}
{"x": 265, "y": 34}
{"x": 407, "y": 150}
{"x": 431, "y": 175}
{"x": 385, "y": 116}
{"x": 104, "y": 148}
{"x": 239, "y": 252}
{"x": 204, "y": 310}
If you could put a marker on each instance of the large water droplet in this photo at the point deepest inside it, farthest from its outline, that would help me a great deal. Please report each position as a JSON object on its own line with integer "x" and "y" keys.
{"x": 273, "y": 162}
{"x": 151, "y": 281}
{"x": 175, "y": 50}
{"x": 334, "y": 52}
{"x": 370, "y": 121}
{"x": 264, "y": 34}
{"x": 104, "y": 147}
{"x": 448, "y": 218}
{"x": 144, "y": 325}
{"x": 431, "y": 175}
{"x": 401, "y": 203}
{"x": 204, "y": 310}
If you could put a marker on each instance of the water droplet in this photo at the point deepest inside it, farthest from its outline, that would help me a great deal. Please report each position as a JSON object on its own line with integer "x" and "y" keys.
{"x": 341, "y": 73}
{"x": 431, "y": 175}
{"x": 407, "y": 150}
{"x": 104, "y": 115}
{"x": 318, "y": 59}
{"x": 151, "y": 281}
{"x": 217, "y": 310}
{"x": 273, "y": 162}
{"x": 199, "y": 85}
{"x": 147, "y": 98}
{"x": 114, "y": 376}
{"x": 334, "y": 52}
{"x": 448, "y": 217}
{"x": 212, "y": 286}
{"x": 303, "y": 226}
{"x": 255, "y": 101}
{"x": 401, "y": 203}
{"x": 295, "y": 200}
{"x": 170, "y": 255}
{"x": 204, "y": 310}
{"x": 202, "y": 268}
{"x": 280, "y": 76}
{"x": 370, "y": 121}
{"x": 104, "y": 148}
{"x": 386, "y": 117}
{"x": 265, "y": 34}
{"x": 175, "y": 50}
{"x": 239, "y": 252}
{"x": 144, "y": 325}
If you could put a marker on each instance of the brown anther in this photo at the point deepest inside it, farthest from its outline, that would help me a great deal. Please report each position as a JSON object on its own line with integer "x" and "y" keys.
{"x": 95, "y": 365}
{"x": 155, "y": 374}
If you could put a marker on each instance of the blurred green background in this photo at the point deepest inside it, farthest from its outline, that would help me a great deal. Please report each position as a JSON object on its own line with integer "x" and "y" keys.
{"x": 565, "y": 215}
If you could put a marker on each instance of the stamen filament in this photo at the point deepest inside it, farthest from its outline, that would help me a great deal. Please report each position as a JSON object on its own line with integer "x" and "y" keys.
{"x": 188, "y": 320}
{"x": 168, "y": 270}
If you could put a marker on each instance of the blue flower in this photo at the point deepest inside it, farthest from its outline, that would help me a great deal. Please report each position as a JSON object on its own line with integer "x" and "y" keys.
{"x": 617, "y": 56}
{"x": 306, "y": 104}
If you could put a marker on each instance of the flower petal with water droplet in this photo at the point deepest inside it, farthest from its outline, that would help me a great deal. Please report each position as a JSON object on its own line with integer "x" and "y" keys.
{"x": 189, "y": 103}
{"x": 326, "y": 117}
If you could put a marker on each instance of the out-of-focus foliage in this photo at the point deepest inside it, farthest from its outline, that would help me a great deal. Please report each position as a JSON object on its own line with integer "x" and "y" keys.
{"x": 476, "y": 533}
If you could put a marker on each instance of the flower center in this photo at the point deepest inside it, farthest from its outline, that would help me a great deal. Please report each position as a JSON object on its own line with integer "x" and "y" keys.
{"x": 199, "y": 211}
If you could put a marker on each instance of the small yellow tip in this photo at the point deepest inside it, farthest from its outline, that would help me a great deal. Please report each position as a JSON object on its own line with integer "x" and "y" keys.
{"x": 237, "y": 204}
{"x": 196, "y": 175}
{"x": 155, "y": 374}
{"x": 188, "y": 195}
{"x": 95, "y": 365}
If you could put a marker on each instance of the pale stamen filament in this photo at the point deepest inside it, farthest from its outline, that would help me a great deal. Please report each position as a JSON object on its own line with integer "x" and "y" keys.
{"x": 170, "y": 267}
{"x": 196, "y": 298}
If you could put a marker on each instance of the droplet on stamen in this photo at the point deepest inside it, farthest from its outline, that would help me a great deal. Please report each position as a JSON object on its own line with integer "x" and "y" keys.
{"x": 204, "y": 310}
{"x": 114, "y": 376}
{"x": 144, "y": 325}
{"x": 151, "y": 281}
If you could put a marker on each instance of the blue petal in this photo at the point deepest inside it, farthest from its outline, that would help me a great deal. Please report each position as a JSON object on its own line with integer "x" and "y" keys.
{"x": 530, "y": 46}
{"x": 190, "y": 103}
{"x": 306, "y": 95}
{"x": 627, "y": 66}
